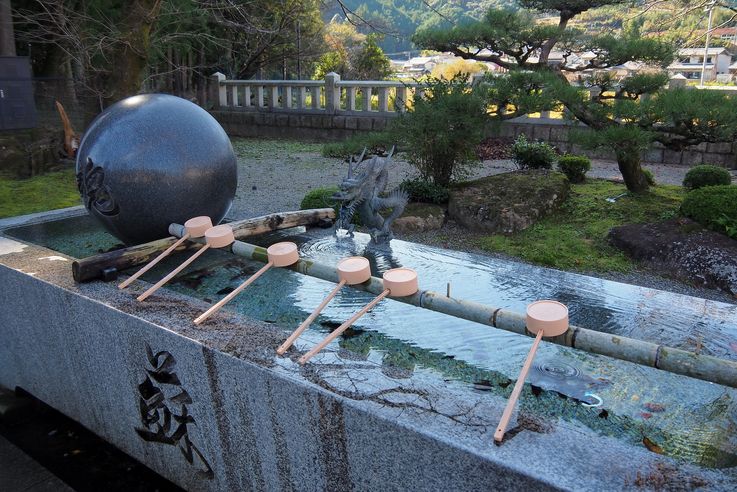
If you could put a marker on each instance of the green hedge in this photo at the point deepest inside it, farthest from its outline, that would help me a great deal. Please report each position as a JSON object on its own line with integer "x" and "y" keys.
{"x": 712, "y": 206}
{"x": 533, "y": 155}
{"x": 321, "y": 198}
{"x": 420, "y": 190}
{"x": 706, "y": 175}
{"x": 574, "y": 167}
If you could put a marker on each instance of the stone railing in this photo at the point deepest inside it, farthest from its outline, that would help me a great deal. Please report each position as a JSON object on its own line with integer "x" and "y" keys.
{"x": 332, "y": 109}
{"x": 329, "y": 96}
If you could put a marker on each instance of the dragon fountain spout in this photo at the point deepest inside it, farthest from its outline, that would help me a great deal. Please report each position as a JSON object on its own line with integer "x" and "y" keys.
{"x": 363, "y": 192}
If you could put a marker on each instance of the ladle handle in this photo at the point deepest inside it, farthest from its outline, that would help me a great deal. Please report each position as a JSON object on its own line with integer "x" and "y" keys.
{"x": 178, "y": 269}
{"x": 222, "y": 302}
{"x": 289, "y": 341}
{"x": 501, "y": 429}
{"x": 153, "y": 262}
{"x": 317, "y": 348}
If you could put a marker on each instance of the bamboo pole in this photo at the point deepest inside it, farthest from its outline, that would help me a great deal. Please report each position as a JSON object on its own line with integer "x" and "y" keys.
{"x": 216, "y": 307}
{"x": 306, "y": 323}
{"x": 677, "y": 361}
{"x": 512, "y": 402}
{"x": 339, "y": 330}
{"x": 95, "y": 267}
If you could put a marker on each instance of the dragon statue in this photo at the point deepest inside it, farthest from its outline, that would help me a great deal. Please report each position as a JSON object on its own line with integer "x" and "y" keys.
{"x": 363, "y": 192}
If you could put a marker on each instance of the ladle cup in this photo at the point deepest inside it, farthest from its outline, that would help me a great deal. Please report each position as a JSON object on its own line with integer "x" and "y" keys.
{"x": 215, "y": 237}
{"x": 398, "y": 282}
{"x": 194, "y": 227}
{"x": 280, "y": 255}
{"x": 545, "y": 318}
{"x": 351, "y": 271}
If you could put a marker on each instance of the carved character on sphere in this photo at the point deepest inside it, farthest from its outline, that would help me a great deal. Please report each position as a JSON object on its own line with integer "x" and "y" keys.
{"x": 362, "y": 192}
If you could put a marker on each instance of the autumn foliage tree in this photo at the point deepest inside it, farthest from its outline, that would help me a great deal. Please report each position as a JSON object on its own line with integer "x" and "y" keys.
{"x": 624, "y": 114}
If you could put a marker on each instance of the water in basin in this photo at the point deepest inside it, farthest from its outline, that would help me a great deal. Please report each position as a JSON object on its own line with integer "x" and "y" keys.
{"x": 674, "y": 415}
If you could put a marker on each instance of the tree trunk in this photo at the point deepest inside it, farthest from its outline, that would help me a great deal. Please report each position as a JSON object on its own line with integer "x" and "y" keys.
{"x": 132, "y": 58}
{"x": 7, "y": 35}
{"x": 629, "y": 165}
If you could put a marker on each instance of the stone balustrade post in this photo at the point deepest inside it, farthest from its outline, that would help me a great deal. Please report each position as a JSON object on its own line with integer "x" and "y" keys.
{"x": 218, "y": 95}
{"x": 678, "y": 81}
{"x": 332, "y": 93}
{"x": 400, "y": 100}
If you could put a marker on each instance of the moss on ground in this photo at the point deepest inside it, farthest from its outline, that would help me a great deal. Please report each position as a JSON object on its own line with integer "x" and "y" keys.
{"x": 258, "y": 148}
{"x": 37, "y": 194}
{"x": 423, "y": 210}
{"x": 575, "y": 236}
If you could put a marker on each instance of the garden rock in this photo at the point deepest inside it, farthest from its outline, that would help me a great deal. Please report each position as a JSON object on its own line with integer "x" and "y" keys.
{"x": 420, "y": 217}
{"x": 509, "y": 202}
{"x": 684, "y": 249}
{"x": 418, "y": 224}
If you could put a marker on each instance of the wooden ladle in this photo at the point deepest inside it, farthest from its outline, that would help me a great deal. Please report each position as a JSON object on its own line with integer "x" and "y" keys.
{"x": 280, "y": 255}
{"x": 194, "y": 227}
{"x": 545, "y": 318}
{"x": 398, "y": 282}
{"x": 351, "y": 271}
{"x": 216, "y": 237}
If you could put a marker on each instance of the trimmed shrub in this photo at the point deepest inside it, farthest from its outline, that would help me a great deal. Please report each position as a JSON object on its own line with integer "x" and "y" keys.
{"x": 420, "y": 190}
{"x": 649, "y": 176}
{"x": 533, "y": 155}
{"x": 574, "y": 167}
{"x": 712, "y": 206}
{"x": 706, "y": 175}
{"x": 374, "y": 142}
{"x": 441, "y": 132}
{"x": 321, "y": 198}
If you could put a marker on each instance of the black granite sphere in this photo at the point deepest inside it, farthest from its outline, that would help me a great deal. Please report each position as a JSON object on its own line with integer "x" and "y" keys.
{"x": 151, "y": 160}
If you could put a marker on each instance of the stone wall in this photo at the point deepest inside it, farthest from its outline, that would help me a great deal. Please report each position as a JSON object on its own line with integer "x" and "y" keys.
{"x": 322, "y": 126}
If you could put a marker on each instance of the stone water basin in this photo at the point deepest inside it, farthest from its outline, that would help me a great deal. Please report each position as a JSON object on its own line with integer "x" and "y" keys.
{"x": 672, "y": 415}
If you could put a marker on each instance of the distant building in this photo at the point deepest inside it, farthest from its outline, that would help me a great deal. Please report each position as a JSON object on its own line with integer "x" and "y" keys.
{"x": 689, "y": 63}
{"x": 419, "y": 65}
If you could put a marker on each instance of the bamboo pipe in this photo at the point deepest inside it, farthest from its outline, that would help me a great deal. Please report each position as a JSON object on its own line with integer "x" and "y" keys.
{"x": 677, "y": 361}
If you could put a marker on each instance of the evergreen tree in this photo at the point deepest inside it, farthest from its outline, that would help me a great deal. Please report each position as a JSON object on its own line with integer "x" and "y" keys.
{"x": 625, "y": 115}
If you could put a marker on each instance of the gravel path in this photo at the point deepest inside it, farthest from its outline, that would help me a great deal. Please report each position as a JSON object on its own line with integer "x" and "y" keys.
{"x": 274, "y": 176}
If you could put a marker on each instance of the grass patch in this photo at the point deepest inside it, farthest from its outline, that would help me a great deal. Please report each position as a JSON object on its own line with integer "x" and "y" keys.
{"x": 575, "y": 237}
{"x": 260, "y": 148}
{"x": 38, "y": 194}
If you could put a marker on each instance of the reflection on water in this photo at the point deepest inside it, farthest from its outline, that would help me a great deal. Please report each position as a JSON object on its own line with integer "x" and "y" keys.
{"x": 684, "y": 418}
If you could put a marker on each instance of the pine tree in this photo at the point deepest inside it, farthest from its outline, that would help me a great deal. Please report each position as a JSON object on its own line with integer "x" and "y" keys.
{"x": 625, "y": 115}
